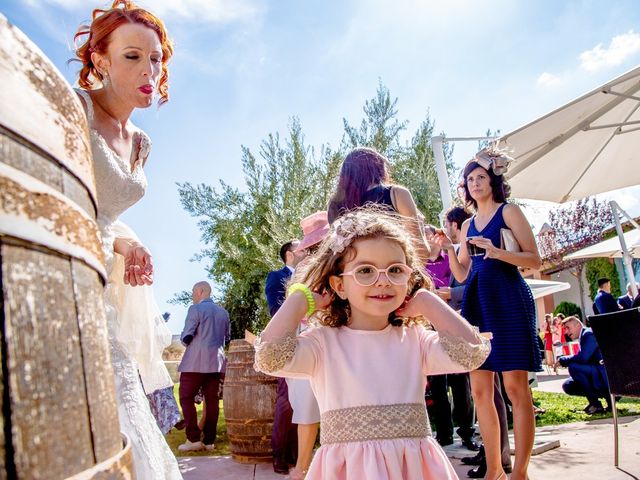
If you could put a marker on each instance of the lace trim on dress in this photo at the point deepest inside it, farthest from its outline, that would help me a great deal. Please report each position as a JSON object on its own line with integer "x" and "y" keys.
{"x": 465, "y": 354}
{"x": 375, "y": 422}
{"x": 274, "y": 355}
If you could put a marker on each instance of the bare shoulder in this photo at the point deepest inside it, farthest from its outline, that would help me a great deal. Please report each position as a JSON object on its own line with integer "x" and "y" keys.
{"x": 401, "y": 192}
{"x": 511, "y": 211}
{"x": 403, "y": 200}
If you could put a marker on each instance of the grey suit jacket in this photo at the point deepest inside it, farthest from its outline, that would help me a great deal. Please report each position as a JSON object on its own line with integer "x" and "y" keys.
{"x": 208, "y": 323}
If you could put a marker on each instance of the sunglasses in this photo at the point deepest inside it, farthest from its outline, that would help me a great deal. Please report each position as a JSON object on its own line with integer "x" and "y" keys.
{"x": 367, "y": 275}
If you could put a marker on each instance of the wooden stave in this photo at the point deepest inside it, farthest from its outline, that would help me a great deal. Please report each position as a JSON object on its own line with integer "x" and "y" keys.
{"x": 250, "y": 438}
{"x": 59, "y": 171}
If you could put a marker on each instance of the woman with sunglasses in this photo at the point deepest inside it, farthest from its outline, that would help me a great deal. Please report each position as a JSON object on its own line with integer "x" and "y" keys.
{"x": 368, "y": 361}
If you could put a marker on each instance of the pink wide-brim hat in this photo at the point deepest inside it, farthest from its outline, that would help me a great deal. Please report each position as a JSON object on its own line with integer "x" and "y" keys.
{"x": 315, "y": 227}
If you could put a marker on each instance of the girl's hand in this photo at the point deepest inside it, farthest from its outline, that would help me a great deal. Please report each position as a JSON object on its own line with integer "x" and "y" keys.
{"x": 323, "y": 300}
{"x": 412, "y": 306}
{"x": 491, "y": 251}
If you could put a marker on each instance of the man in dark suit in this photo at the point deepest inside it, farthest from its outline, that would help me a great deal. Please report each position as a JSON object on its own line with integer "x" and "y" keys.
{"x": 625, "y": 302}
{"x": 588, "y": 376}
{"x": 604, "y": 301}
{"x": 284, "y": 439}
{"x": 459, "y": 383}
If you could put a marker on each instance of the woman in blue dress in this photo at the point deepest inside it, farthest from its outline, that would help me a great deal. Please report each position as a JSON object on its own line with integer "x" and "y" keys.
{"x": 498, "y": 300}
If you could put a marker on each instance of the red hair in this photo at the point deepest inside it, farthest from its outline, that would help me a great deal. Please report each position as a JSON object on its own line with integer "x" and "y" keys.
{"x": 104, "y": 23}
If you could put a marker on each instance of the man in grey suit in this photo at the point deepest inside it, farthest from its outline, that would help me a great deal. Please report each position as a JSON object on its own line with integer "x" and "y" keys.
{"x": 206, "y": 330}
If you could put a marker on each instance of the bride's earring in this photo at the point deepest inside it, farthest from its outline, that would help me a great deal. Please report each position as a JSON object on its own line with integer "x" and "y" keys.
{"x": 105, "y": 79}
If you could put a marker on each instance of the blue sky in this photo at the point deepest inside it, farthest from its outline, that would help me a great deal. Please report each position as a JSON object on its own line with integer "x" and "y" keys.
{"x": 242, "y": 68}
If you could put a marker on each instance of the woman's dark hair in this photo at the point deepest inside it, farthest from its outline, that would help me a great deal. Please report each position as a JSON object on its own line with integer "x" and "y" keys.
{"x": 361, "y": 168}
{"x": 499, "y": 186}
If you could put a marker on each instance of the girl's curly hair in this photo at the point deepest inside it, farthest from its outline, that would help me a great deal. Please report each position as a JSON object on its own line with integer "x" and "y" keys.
{"x": 337, "y": 249}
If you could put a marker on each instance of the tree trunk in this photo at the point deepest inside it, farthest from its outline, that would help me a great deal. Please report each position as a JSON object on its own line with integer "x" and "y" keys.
{"x": 578, "y": 274}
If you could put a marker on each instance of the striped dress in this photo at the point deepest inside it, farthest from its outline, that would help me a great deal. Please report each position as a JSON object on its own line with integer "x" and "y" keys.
{"x": 498, "y": 300}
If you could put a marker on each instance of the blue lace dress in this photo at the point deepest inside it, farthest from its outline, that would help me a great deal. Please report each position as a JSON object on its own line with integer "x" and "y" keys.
{"x": 498, "y": 300}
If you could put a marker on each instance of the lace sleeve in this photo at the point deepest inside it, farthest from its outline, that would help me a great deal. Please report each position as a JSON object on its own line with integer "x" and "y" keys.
{"x": 468, "y": 355}
{"x": 273, "y": 356}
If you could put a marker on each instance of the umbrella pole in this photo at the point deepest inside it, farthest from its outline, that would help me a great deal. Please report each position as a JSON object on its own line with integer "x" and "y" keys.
{"x": 626, "y": 256}
{"x": 441, "y": 171}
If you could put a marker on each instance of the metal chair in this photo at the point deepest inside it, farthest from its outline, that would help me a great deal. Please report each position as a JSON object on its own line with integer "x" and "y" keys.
{"x": 618, "y": 336}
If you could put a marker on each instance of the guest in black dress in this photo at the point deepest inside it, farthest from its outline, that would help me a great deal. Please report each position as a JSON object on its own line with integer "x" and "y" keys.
{"x": 364, "y": 179}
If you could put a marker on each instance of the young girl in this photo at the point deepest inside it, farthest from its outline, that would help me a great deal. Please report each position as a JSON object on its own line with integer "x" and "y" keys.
{"x": 367, "y": 362}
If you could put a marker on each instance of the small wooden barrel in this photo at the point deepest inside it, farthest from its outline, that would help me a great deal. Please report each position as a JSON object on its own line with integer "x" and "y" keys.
{"x": 57, "y": 393}
{"x": 249, "y": 399}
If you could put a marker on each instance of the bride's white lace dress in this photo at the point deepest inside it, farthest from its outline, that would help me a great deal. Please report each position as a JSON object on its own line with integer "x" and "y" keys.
{"x": 131, "y": 312}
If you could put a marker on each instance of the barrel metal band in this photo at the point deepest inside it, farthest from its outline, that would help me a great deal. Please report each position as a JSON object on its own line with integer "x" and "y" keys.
{"x": 118, "y": 466}
{"x": 35, "y": 212}
{"x": 374, "y": 422}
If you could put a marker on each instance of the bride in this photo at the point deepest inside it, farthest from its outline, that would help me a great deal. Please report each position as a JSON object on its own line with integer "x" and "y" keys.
{"x": 124, "y": 65}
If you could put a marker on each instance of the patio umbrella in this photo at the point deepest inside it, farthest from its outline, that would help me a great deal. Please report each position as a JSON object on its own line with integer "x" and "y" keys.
{"x": 610, "y": 248}
{"x": 542, "y": 288}
{"x": 588, "y": 146}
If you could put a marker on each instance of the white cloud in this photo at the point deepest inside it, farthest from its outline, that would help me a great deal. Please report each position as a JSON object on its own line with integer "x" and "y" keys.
{"x": 209, "y": 11}
{"x": 548, "y": 80}
{"x": 620, "y": 48}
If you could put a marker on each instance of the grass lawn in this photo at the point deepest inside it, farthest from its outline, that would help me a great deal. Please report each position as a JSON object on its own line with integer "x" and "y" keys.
{"x": 178, "y": 437}
{"x": 560, "y": 408}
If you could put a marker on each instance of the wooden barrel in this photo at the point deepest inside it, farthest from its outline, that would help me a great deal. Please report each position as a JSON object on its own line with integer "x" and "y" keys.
{"x": 249, "y": 399}
{"x": 57, "y": 393}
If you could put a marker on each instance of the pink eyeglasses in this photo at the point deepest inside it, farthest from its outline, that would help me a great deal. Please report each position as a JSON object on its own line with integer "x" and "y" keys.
{"x": 367, "y": 275}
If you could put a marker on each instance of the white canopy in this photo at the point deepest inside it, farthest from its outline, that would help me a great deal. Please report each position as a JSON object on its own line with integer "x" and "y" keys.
{"x": 588, "y": 146}
{"x": 610, "y": 248}
{"x": 542, "y": 288}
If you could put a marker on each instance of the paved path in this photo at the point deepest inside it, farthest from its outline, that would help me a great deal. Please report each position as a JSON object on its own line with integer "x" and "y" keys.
{"x": 552, "y": 383}
{"x": 585, "y": 453}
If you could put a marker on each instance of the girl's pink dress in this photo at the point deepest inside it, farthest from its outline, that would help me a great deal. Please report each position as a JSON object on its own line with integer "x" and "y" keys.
{"x": 370, "y": 390}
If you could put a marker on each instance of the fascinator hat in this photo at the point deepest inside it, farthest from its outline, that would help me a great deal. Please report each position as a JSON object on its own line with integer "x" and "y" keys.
{"x": 494, "y": 159}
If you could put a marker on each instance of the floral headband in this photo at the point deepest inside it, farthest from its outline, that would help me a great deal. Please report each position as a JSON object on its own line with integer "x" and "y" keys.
{"x": 344, "y": 231}
{"x": 494, "y": 159}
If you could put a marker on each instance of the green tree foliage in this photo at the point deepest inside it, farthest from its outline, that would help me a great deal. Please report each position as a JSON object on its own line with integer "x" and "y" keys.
{"x": 243, "y": 228}
{"x": 599, "y": 268}
{"x": 573, "y": 227}
{"x": 568, "y": 309}
{"x": 412, "y": 164}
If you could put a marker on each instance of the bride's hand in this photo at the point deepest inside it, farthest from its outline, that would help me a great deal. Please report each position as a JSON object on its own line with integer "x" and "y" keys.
{"x": 138, "y": 266}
